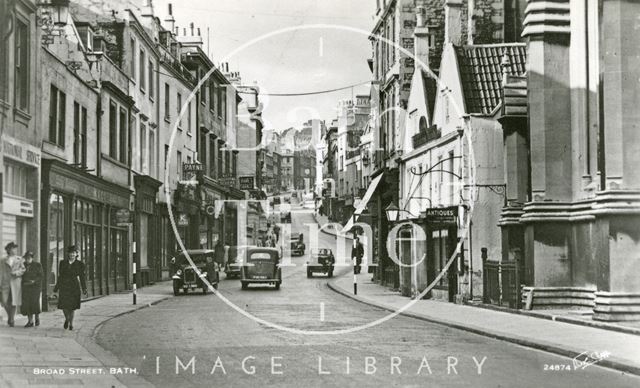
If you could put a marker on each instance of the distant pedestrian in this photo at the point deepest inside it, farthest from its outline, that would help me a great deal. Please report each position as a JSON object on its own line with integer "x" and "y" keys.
{"x": 11, "y": 271}
{"x": 357, "y": 251}
{"x": 31, "y": 289}
{"x": 71, "y": 277}
{"x": 218, "y": 254}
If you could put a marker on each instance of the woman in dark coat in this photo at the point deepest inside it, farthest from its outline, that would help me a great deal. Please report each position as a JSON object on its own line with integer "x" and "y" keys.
{"x": 31, "y": 286}
{"x": 71, "y": 277}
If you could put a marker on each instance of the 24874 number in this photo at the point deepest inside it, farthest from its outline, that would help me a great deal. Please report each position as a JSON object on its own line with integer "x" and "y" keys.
{"x": 557, "y": 367}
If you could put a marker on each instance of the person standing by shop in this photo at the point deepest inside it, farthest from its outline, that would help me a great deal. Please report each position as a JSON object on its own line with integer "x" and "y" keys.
{"x": 11, "y": 271}
{"x": 357, "y": 251}
{"x": 71, "y": 277}
{"x": 31, "y": 288}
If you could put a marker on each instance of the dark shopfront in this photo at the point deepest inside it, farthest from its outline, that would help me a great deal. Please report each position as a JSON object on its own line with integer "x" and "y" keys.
{"x": 146, "y": 237}
{"x": 441, "y": 226}
{"x": 80, "y": 209}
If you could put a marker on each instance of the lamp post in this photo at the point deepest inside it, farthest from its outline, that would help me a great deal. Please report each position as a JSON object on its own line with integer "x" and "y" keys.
{"x": 54, "y": 11}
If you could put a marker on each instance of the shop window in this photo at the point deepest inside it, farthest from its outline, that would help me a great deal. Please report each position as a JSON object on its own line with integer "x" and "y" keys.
{"x": 21, "y": 60}
{"x": 440, "y": 253}
{"x": 57, "y": 103}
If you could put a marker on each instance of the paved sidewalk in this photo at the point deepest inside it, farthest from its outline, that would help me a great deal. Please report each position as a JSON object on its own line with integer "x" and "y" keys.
{"x": 556, "y": 337}
{"x": 65, "y": 354}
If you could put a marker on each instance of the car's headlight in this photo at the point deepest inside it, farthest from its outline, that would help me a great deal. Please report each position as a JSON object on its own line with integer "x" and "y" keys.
{"x": 179, "y": 272}
{"x": 204, "y": 274}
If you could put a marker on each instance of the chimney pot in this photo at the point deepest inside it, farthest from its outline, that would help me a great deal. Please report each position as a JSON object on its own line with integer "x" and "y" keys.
{"x": 170, "y": 6}
{"x": 453, "y": 21}
{"x": 184, "y": 31}
{"x": 198, "y": 31}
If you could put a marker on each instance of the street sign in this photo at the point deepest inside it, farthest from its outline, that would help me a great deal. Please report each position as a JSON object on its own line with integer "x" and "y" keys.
{"x": 444, "y": 215}
{"x": 246, "y": 182}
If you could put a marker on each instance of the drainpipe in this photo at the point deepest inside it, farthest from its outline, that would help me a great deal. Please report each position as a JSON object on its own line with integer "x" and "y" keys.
{"x": 99, "y": 134}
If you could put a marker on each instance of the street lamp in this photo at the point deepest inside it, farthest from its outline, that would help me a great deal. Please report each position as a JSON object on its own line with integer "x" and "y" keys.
{"x": 392, "y": 212}
{"x": 57, "y": 11}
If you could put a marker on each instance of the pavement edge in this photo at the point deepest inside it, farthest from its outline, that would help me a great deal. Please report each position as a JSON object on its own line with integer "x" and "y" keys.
{"x": 608, "y": 363}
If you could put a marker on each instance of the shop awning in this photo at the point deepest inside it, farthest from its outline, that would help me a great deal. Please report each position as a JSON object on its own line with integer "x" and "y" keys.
{"x": 363, "y": 203}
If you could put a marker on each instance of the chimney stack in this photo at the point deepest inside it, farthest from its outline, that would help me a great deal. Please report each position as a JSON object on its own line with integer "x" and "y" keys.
{"x": 421, "y": 39}
{"x": 191, "y": 28}
{"x": 198, "y": 31}
{"x": 453, "y": 22}
{"x": 147, "y": 8}
{"x": 169, "y": 20}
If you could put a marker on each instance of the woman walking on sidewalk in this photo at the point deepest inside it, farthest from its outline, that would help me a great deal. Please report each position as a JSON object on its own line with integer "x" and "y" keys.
{"x": 31, "y": 286}
{"x": 71, "y": 278}
{"x": 11, "y": 271}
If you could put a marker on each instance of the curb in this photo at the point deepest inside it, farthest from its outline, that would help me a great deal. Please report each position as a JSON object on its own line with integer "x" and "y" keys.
{"x": 560, "y": 318}
{"x": 608, "y": 363}
{"x": 88, "y": 341}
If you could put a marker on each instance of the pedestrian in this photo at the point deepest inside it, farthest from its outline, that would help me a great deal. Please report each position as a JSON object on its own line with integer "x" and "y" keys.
{"x": 31, "y": 288}
{"x": 357, "y": 251}
{"x": 71, "y": 277}
{"x": 218, "y": 253}
{"x": 11, "y": 271}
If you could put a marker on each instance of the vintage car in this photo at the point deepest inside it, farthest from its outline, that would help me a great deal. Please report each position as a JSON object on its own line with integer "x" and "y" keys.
{"x": 234, "y": 262}
{"x": 297, "y": 244}
{"x": 261, "y": 265}
{"x": 185, "y": 277}
{"x": 322, "y": 260}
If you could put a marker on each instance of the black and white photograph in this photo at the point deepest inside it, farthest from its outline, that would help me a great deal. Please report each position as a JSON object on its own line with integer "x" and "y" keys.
{"x": 320, "y": 193}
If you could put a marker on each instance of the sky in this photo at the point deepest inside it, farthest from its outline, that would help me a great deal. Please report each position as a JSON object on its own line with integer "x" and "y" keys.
{"x": 295, "y": 61}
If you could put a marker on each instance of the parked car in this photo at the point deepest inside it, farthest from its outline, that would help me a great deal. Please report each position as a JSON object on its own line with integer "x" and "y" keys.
{"x": 262, "y": 266}
{"x": 297, "y": 244}
{"x": 322, "y": 260}
{"x": 234, "y": 262}
{"x": 185, "y": 277}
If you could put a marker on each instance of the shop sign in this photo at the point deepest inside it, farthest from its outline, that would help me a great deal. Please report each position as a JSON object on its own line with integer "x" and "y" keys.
{"x": 21, "y": 152}
{"x": 246, "y": 182}
{"x": 122, "y": 217}
{"x": 444, "y": 215}
{"x": 229, "y": 181}
{"x": 183, "y": 219}
{"x": 18, "y": 206}
{"x": 69, "y": 185}
{"x": 192, "y": 167}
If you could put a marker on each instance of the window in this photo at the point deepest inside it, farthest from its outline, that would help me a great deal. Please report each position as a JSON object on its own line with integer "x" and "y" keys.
{"x": 132, "y": 50}
{"x": 57, "y": 105}
{"x": 189, "y": 118}
{"x": 212, "y": 156}
{"x": 178, "y": 107}
{"x": 219, "y": 93}
{"x": 227, "y": 162}
{"x": 203, "y": 88}
{"x": 21, "y": 65}
{"x": 142, "y": 68}
{"x": 113, "y": 130}
{"x": 220, "y": 159}
{"x": 15, "y": 179}
{"x": 143, "y": 147}
{"x": 202, "y": 147}
{"x": 152, "y": 153}
{"x": 166, "y": 156}
{"x": 79, "y": 135}
{"x": 212, "y": 95}
{"x": 451, "y": 181}
{"x": 223, "y": 110}
{"x": 179, "y": 164}
{"x": 124, "y": 136}
{"x": 151, "y": 80}
{"x": 214, "y": 100}
{"x": 3, "y": 70}
{"x": 234, "y": 166}
{"x": 56, "y": 236}
{"x": 167, "y": 102}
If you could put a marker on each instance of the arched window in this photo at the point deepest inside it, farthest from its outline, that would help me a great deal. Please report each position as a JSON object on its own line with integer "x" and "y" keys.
{"x": 422, "y": 126}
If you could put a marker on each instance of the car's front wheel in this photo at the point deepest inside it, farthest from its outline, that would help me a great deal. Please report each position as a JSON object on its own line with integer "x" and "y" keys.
{"x": 176, "y": 288}
{"x": 309, "y": 274}
{"x": 244, "y": 285}
{"x": 277, "y": 285}
{"x": 330, "y": 273}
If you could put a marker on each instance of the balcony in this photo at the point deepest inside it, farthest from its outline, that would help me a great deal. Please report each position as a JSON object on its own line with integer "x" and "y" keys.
{"x": 423, "y": 137}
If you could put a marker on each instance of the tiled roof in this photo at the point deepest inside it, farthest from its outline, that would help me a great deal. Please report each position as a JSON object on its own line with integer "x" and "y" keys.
{"x": 481, "y": 69}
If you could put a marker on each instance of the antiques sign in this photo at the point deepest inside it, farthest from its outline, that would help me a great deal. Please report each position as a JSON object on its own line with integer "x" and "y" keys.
{"x": 444, "y": 215}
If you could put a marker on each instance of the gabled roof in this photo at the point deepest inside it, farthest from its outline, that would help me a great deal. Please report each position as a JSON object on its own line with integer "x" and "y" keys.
{"x": 481, "y": 69}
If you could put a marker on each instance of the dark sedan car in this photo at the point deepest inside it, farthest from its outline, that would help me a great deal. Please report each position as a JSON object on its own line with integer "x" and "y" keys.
{"x": 185, "y": 277}
{"x": 322, "y": 260}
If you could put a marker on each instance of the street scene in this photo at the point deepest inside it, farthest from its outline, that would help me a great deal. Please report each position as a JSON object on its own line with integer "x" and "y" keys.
{"x": 301, "y": 193}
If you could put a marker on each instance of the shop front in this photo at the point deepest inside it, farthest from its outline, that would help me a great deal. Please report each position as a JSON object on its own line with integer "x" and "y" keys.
{"x": 441, "y": 226}
{"x": 20, "y": 179}
{"x": 80, "y": 209}
{"x": 146, "y": 230}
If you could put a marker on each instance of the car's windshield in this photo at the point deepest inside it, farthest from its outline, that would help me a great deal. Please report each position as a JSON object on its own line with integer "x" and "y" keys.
{"x": 197, "y": 258}
{"x": 323, "y": 251}
{"x": 276, "y": 201}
